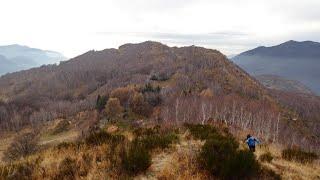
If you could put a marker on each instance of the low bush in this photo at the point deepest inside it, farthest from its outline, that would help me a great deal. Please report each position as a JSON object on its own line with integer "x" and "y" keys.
{"x": 154, "y": 99}
{"x": 161, "y": 141}
{"x": 101, "y": 137}
{"x": 220, "y": 155}
{"x": 201, "y": 132}
{"x": 67, "y": 169}
{"x": 22, "y": 146}
{"x": 139, "y": 132}
{"x": 136, "y": 159}
{"x": 97, "y": 138}
{"x": 266, "y": 157}
{"x": 241, "y": 165}
{"x": 215, "y": 153}
{"x": 298, "y": 155}
{"x": 153, "y": 138}
{"x": 160, "y": 77}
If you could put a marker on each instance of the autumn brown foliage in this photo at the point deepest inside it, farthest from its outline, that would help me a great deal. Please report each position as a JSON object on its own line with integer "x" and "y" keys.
{"x": 114, "y": 108}
{"x": 187, "y": 84}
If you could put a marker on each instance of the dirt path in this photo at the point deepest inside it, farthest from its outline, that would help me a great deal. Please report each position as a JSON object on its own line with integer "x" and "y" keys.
{"x": 159, "y": 161}
{"x": 162, "y": 160}
{"x": 55, "y": 139}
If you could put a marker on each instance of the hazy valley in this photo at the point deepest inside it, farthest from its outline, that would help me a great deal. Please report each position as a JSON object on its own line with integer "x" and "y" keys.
{"x": 291, "y": 60}
{"x": 16, "y": 58}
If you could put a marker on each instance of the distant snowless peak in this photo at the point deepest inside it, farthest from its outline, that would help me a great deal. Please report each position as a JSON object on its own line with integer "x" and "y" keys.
{"x": 20, "y": 57}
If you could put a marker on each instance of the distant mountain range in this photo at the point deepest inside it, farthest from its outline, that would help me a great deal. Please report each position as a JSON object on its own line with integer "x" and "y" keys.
{"x": 16, "y": 57}
{"x": 299, "y": 61}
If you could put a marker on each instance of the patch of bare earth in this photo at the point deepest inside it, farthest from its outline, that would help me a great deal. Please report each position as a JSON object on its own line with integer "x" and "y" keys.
{"x": 67, "y": 136}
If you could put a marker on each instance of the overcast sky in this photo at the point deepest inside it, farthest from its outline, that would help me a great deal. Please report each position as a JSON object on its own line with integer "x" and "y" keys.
{"x": 73, "y": 27}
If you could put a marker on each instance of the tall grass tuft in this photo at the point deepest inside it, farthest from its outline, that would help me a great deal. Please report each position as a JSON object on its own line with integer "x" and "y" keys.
{"x": 299, "y": 155}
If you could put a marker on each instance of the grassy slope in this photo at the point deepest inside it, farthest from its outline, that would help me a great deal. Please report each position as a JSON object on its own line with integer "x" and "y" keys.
{"x": 289, "y": 169}
{"x": 177, "y": 162}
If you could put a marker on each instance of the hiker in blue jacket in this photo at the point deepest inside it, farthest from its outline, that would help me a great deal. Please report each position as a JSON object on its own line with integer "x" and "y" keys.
{"x": 251, "y": 141}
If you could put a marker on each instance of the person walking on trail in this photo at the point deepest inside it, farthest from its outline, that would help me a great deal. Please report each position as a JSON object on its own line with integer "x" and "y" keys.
{"x": 251, "y": 141}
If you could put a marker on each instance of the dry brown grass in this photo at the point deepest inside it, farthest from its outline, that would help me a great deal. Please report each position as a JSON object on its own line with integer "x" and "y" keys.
{"x": 4, "y": 143}
{"x": 177, "y": 162}
{"x": 90, "y": 163}
{"x": 182, "y": 165}
{"x": 289, "y": 169}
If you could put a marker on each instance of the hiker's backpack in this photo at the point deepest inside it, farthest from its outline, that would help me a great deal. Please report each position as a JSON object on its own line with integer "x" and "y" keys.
{"x": 251, "y": 141}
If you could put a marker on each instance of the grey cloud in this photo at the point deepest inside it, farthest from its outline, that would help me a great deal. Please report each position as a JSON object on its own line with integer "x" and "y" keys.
{"x": 143, "y": 6}
{"x": 227, "y": 41}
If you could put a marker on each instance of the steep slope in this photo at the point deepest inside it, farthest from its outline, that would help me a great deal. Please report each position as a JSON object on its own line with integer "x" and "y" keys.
{"x": 195, "y": 85}
{"x": 305, "y": 106}
{"x": 22, "y": 57}
{"x": 279, "y": 83}
{"x": 292, "y": 60}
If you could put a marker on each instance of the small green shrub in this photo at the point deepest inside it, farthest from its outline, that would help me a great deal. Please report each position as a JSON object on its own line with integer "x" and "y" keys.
{"x": 101, "y": 102}
{"x": 161, "y": 141}
{"x": 146, "y": 131}
{"x": 215, "y": 153}
{"x": 101, "y": 137}
{"x": 220, "y": 155}
{"x": 266, "y": 157}
{"x": 201, "y": 132}
{"x": 241, "y": 165}
{"x": 160, "y": 77}
{"x": 136, "y": 159}
{"x": 153, "y": 138}
{"x": 299, "y": 155}
{"x": 97, "y": 138}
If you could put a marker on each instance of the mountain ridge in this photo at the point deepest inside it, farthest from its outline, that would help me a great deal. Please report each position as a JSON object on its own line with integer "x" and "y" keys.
{"x": 286, "y": 49}
{"x": 23, "y": 57}
{"x": 179, "y": 84}
{"x": 291, "y": 60}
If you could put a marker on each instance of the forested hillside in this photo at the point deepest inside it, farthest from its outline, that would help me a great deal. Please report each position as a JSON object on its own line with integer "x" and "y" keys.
{"x": 155, "y": 82}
